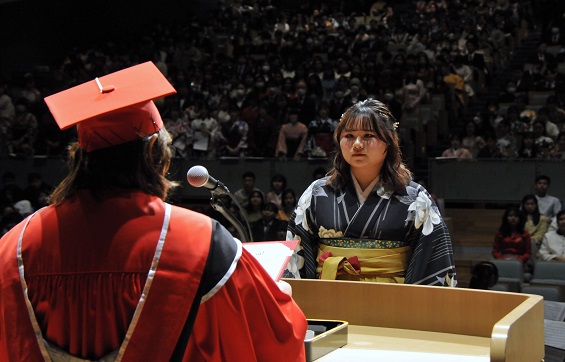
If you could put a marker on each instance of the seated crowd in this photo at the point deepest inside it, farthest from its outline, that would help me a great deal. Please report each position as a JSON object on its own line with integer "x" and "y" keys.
{"x": 534, "y": 230}
{"x": 267, "y": 212}
{"x": 254, "y": 80}
{"x": 518, "y": 132}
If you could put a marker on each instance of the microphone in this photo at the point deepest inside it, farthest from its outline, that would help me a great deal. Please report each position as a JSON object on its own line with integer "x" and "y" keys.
{"x": 198, "y": 176}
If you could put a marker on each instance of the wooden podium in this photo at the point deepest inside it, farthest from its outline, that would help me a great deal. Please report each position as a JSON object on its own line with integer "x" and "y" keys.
{"x": 452, "y": 323}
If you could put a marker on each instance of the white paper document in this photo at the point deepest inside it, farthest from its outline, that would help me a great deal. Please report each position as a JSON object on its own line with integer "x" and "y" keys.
{"x": 554, "y": 333}
{"x": 554, "y": 311}
{"x": 272, "y": 255}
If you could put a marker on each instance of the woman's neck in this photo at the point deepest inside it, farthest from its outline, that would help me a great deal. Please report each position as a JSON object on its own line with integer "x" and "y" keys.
{"x": 365, "y": 176}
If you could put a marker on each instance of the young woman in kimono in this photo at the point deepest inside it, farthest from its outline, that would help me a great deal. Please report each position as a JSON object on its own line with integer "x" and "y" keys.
{"x": 367, "y": 220}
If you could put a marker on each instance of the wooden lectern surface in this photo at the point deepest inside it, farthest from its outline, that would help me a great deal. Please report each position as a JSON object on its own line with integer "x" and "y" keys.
{"x": 391, "y": 344}
{"x": 512, "y": 323}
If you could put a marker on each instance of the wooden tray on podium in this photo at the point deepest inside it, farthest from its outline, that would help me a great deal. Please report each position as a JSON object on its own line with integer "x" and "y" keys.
{"x": 440, "y": 323}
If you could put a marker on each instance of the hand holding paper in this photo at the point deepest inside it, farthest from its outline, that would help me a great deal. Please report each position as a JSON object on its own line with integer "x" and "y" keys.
{"x": 285, "y": 287}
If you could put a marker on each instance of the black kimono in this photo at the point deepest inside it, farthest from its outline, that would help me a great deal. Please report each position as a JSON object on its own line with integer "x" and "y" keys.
{"x": 390, "y": 237}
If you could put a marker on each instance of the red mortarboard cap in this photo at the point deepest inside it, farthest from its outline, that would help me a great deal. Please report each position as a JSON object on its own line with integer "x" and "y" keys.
{"x": 112, "y": 109}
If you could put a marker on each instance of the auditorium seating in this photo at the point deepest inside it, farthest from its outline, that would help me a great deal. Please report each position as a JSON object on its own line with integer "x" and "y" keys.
{"x": 548, "y": 292}
{"x": 510, "y": 275}
{"x": 549, "y": 273}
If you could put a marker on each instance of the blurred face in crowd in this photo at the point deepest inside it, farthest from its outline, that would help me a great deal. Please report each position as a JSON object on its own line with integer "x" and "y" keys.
{"x": 530, "y": 206}
{"x": 561, "y": 224}
{"x": 538, "y": 129}
{"x": 301, "y": 88}
{"x": 268, "y": 214}
{"x": 528, "y": 142}
{"x": 455, "y": 143}
{"x": 513, "y": 218}
{"x": 561, "y": 142}
{"x": 324, "y": 111}
{"x": 256, "y": 199}
{"x": 289, "y": 200}
{"x": 293, "y": 118}
{"x": 240, "y": 90}
{"x": 470, "y": 129}
{"x": 502, "y": 129}
{"x": 541, "y": 187}
{"x": 278, "y": 185}
{"x": 248, "y": 183}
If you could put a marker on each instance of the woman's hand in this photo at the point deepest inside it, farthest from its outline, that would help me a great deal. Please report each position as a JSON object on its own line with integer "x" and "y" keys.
{"x": 285, "y": 287}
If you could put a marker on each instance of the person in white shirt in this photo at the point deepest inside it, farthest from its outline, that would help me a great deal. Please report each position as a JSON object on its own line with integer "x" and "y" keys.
{"x": 553, "y": 244}
{"x": 548, "y": 205}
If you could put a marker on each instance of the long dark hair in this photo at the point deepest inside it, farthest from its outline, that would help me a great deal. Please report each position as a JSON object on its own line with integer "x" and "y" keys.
{"x": 141, "y": 164}
{"x": 283, "y": 196}
{"x": 505, "y": 228}
{"x": 536, "y": 214}
{"x": 371, "y": 115}
{"x": 249, "y": 207}
{"x": 278, "y": 177}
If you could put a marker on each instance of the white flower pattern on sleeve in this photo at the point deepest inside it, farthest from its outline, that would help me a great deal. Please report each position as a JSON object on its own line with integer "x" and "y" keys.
{"x": 297, "y": 261}
{"x": 424, "y": 213}
{"x": 304, "y": 203}
{"x": 301, "y": 207}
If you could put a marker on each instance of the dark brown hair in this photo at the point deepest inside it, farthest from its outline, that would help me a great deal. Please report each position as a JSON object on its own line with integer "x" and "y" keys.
{"x": 505, "y": 228}
{"x": 137, "y": 165}
{"x": 371, "y": 115}
{"x": 535, "y": 214}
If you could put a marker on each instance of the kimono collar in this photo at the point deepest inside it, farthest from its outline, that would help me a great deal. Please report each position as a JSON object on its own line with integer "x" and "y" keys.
{"x": 362, "y": 195}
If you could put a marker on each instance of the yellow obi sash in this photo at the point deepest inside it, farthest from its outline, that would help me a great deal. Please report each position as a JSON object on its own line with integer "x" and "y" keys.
{"x": 386, "y": 264}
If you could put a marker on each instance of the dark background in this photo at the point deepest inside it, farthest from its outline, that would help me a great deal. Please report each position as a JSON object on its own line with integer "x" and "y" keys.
{"x": 41, "y": 32}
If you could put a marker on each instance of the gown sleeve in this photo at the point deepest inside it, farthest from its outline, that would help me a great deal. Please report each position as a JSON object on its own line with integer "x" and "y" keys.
{"x": 248, "y": 319}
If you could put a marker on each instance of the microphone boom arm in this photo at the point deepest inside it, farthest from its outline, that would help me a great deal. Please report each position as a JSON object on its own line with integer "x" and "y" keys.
{"x": 219, "y": 206}
{"x": 198, "y": 176}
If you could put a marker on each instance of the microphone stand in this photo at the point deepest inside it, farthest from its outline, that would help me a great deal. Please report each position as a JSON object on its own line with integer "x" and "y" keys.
{"x": 219, "y": 206}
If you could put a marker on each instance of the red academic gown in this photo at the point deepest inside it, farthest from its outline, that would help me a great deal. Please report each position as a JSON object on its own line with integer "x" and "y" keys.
{"x": 87, "y": 263}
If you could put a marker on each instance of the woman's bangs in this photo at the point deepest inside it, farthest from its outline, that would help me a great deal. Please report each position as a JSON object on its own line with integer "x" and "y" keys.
{"x": 360, "y": 122}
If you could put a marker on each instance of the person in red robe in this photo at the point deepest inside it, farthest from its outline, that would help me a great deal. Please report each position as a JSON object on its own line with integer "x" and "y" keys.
{"x": 110, "y": 271}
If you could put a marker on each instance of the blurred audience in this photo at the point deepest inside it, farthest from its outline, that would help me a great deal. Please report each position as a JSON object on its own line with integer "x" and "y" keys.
{"x": 548, "y": 205}
{"x": 553, "y": 244}
{"x": 457, "y": 150}
{"x": 268, "y": 227}
{"x": 536, "y": 223}
{"x": 512, "y": 241}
